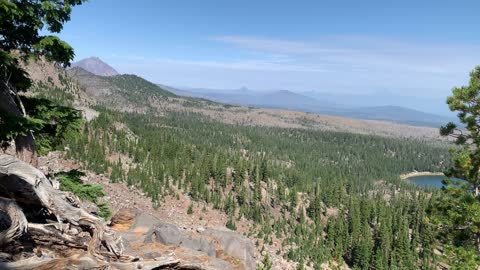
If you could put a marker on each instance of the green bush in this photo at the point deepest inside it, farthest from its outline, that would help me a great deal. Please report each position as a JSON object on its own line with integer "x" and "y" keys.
{"x": 70, "y": 181}
{"x": 50, "y": 123}
{"x": 231, "y": 225}
{"x": 105, "y": 211}
{"x": 190, "y": 209}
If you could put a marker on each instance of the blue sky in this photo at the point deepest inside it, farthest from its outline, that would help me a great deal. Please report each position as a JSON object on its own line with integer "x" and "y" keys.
{"x": 420, "y": 48}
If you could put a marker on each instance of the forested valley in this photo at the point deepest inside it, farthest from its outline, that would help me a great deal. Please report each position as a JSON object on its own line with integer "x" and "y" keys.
{"x": 327, "y": 195}
{"x": 254, "y": 172}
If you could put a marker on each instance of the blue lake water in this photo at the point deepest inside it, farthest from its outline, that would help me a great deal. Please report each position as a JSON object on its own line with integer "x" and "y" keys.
{"x": 428, "y": 180}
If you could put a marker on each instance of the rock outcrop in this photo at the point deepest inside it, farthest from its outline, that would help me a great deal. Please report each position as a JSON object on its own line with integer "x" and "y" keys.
{"x": 235, "y": 245}
{"x": 169, "y": 234}
{"x": 213, "y": 248}
{"x": 42, "y": 227}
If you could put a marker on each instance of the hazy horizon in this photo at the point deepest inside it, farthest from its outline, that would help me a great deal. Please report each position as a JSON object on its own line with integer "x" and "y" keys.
{"x": 407, "y": 49}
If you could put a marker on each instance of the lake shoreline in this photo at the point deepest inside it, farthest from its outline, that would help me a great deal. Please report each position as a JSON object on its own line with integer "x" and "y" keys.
{"x": 413, "y": 174}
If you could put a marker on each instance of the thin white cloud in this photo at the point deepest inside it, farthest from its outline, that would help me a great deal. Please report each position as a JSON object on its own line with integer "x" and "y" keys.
{"x": 277, "y": 64}
{"x": 337, "y": 64}
{"x": 278, "y": 45}
{"x": 335, "y": 54}
{"x": 366, "y": 53}
{"x": 253, "y": 65}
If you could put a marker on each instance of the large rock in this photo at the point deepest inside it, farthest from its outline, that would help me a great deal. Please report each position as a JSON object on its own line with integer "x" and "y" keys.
{"x": 144, "y": 222}
{"x": 200, "y": 244}
{"x": 124, "y": 219}
{"x": 235, "y": 245}
{"x": 125, "y": 215}
{"x": 169, "y": 234}
{"x": 220, "y": 248}
{"x": 194, "y": 258}
{"x": 164, "y": 233}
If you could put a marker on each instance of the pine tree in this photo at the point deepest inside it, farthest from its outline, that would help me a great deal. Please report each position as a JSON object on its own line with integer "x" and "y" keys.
{"x": 190, "y": 209}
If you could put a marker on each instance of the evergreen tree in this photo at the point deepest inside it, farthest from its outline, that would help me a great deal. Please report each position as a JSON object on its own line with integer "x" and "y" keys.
{"x": 455, "y": 212}
{"x": 20, "y": 25}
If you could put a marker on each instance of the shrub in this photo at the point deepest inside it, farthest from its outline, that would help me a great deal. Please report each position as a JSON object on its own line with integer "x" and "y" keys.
{"x": 70, "y": 181}
{"x": 190, "y": 209}
{"x": 231, "y": 225}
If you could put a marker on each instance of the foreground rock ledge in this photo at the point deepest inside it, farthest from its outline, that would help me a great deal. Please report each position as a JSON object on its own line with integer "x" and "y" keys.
{"x": 213, "y": 248}
{"x": 42, "y": 227}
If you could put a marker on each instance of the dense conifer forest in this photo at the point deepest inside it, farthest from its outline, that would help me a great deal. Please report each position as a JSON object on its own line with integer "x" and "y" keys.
{"x": 307, "y": 175}
{"x": 330, "y": 198}
{"x": 327, "y": 196}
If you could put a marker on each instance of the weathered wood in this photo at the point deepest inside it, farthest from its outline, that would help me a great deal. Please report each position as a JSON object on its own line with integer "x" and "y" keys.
{"x": 26, "y": 148}
{"x": 49, "y": 235}
{"x": 18, "y": 222}
{"x": 28, "y": 185}
{"x": 27, "y": 264}
{"x": 166, "y": 263}
{"x": 75, "y": 262}
{"x": 48, "y": 260}
{"x": 11, "y": 103}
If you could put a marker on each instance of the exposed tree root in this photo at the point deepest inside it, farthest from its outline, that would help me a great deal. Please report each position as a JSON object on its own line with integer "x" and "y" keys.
{"x": 14, "y": 219}
{"x": 71, "y": 227}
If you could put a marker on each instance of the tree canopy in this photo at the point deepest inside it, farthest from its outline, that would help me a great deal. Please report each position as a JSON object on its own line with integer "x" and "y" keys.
{"x": 456, "y": 211}
{"x": 466, "y": 101}
{"x": 21, "y": 22}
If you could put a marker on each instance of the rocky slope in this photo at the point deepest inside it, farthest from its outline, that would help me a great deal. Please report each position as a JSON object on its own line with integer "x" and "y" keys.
{"x": 44, "y": 228}
{"x": 200, "y": 237}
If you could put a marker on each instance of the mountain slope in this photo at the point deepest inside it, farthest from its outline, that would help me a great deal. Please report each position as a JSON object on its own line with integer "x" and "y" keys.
{"x": 283, "y": 99}
{"x": 106, "y": 91}
{"x": 286, "y": 99}
{"x": 96, "y": 66}
{"x": 430, "y": 104}
{"x": 398, "y": 114}
{"x": 125, "y": 92}
{"x": 323, "y": 104}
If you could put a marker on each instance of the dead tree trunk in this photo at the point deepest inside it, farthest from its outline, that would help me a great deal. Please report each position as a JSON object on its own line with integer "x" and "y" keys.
{"x": 25, "y": 147}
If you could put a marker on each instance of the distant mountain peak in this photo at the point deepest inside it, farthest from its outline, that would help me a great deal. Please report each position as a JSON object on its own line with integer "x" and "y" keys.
{"x": 286, "y": 92}
{"x": 96, "y": 66}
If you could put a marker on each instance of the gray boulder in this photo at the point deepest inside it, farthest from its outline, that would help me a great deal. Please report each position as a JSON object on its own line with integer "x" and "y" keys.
{"x": 144, "y": 220}
{"x": 205, "y": 241}
{"x": 200, "y": 244}
{"x": 164, "y": 233}
{"x": 196, "y": 260}
{"x": 220, "y": 264}
{"x": 169, "y": 234}
{"x": 235, "y": 245}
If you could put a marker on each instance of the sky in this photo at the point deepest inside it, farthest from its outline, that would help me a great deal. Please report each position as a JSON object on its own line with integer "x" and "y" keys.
{"x": 411, "y": 48}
